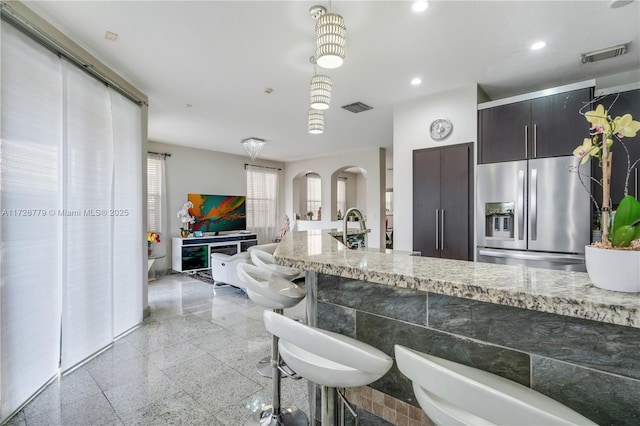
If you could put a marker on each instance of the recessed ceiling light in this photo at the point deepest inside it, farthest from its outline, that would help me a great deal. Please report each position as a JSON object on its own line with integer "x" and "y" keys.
{"x": 420, "y": 6}
{"x": 538, "y": 45}
{"x": 416, "y": 81}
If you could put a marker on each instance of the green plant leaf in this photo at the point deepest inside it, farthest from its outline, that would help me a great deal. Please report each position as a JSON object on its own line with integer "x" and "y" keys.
{"x": 627, "y": 214}
{"x": 623, "y": 236}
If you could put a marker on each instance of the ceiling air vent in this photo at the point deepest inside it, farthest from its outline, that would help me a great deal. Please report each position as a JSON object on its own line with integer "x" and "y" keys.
{"x": 357, "y": 107}
{"x": 606, "y": 53}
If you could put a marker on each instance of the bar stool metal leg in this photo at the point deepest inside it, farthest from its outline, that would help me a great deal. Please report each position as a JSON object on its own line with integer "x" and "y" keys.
{"x": 274, "y": 414}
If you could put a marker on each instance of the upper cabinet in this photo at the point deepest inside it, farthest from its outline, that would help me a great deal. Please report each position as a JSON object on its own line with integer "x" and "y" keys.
{"x": 626, "y": 103}
{"x": 548, "y": 126}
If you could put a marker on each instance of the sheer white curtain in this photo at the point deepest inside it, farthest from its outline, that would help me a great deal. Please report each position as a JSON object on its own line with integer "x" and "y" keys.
{"x": 341, "y": 195}
{"x": 314, "y": 194}
{"x": 72, "y": 262}
{"x": 262, "y": 202}
{"x": 30, "y": 149}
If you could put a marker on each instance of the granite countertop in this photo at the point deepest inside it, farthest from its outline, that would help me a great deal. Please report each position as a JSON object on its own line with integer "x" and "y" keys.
{"x": 559, "y": 292}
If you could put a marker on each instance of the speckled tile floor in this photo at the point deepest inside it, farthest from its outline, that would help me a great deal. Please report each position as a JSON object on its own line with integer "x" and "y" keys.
{"x": 192, "y": 362}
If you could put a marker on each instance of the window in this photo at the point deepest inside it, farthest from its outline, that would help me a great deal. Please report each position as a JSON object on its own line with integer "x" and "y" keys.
{"x": 155, "y": 175}
{"x": 262, "y": 201}
{"x": 314, "y": 194}
{"x": 341, "y": 196}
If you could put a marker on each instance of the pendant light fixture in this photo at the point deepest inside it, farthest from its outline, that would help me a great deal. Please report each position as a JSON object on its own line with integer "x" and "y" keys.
{"x": 316, "y": 121}
{"x": 320, "y": 93}
{"x": 331, "y": 34}
{"x": 253, "y": 146}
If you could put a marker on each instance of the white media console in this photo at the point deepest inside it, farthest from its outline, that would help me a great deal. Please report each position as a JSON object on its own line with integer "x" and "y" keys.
{"x": 194, "y": 253}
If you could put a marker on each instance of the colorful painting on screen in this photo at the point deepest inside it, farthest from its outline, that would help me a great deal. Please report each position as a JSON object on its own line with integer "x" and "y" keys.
{"x": 218, "y": 213}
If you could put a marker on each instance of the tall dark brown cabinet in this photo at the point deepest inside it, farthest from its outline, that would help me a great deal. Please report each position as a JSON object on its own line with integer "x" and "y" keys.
{"x": 442, "y": 201}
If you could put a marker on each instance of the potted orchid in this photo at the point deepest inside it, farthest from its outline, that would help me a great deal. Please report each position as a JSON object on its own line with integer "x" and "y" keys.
{"x": 186, "y": 219}
{"x": 613, "y": 264}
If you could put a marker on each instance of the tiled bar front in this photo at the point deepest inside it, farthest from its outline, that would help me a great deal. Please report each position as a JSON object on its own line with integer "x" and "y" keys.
{"x": 590, "y": 366}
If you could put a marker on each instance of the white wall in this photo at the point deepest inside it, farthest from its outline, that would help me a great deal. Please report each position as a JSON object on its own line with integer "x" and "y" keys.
{"x": 372, "y": 160}
{"x": 411, "y": 122}
{"x": 198, "y": 171}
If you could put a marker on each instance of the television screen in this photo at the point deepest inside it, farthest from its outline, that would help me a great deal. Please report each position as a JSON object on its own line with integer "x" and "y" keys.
{"x": 218, "y": 213}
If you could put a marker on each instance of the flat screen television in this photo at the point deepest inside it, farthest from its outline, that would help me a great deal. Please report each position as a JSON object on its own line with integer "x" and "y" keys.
{"x": 218, "y": 213}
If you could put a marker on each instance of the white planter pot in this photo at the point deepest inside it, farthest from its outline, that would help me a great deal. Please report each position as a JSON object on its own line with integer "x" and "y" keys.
{"x": 617, "y": 270}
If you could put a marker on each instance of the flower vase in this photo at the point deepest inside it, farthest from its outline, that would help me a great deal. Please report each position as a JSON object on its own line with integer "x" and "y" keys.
{"x": 610, "y": 269}
{"x": 149, "y": 249}
{"x": 184, "y": 233}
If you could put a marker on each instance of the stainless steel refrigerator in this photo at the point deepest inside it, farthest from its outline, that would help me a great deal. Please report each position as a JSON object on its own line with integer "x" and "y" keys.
{"x": 534, "y": 213}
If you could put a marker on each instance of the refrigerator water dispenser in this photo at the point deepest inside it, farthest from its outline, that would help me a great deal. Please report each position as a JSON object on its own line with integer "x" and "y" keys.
{"x": 499, "y": 220}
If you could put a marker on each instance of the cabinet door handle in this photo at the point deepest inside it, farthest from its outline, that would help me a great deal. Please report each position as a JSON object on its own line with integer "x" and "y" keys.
{"x": 526, "y": 141}
{"x": 442, "y": 230}
{"x": 437, "y": 229}
{"x": 535, "y": 141}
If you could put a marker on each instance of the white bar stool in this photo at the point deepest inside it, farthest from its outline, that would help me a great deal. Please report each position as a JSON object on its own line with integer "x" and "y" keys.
{"x": 267, "y": 261}
{"x": 327, "y": 359}
{"x": 456, "y": 394}
{"x": 275, "y": 293}
{"x": 262, "y": 257}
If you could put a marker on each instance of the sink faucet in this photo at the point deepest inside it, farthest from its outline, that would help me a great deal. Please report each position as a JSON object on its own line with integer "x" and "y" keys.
{"x": 363, "y": 226}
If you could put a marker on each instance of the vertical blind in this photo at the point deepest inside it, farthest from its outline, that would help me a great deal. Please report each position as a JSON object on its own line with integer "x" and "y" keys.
{"x": 30, "y": 181}
{"x": 128, "y": 271}
{"x": 72, "y": 238}
{"x": 262, "y": 202}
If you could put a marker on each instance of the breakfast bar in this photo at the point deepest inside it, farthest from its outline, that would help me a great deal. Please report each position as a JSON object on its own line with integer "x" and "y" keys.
{"x": 549, "y": 330}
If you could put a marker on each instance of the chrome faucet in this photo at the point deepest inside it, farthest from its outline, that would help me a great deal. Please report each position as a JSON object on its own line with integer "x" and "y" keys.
{"x": 363, "y": 226}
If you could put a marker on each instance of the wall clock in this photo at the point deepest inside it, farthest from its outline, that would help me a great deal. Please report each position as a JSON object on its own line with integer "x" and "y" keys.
{"x": 440, "y": 129}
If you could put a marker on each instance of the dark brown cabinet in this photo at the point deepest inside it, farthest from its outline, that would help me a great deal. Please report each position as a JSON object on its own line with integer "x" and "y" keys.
{"x": 549, "y": 126}
{"x": 626, "y": 103}
{"x": 442, "y": 200}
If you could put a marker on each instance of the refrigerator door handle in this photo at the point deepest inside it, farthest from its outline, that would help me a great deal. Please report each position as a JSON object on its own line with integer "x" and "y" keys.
{"x": 534, "y": 204}
{"x": 442, "y": 230}
{"x": 520, "y": 206}
{"x": 535, "y": 141}
{"x": 437, "y": 229}
{"x": 526, "y": 141}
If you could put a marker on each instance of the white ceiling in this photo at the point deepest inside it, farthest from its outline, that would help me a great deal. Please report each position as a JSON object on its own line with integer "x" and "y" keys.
{"x": 220, "y": 56}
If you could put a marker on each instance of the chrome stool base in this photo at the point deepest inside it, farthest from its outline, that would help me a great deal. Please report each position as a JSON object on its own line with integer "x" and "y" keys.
{"x": 289, "y": 416}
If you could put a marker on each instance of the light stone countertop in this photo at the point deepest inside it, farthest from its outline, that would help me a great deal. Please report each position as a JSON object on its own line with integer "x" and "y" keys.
{"x": 559, "y": 292}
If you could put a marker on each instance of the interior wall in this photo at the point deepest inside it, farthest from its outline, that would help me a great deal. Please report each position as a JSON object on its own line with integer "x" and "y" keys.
{"x": 352, "y": 190}
{"x": 372, "y": 160}
{"x": 199, "y": 171}
{"x": 411, "y": 122}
